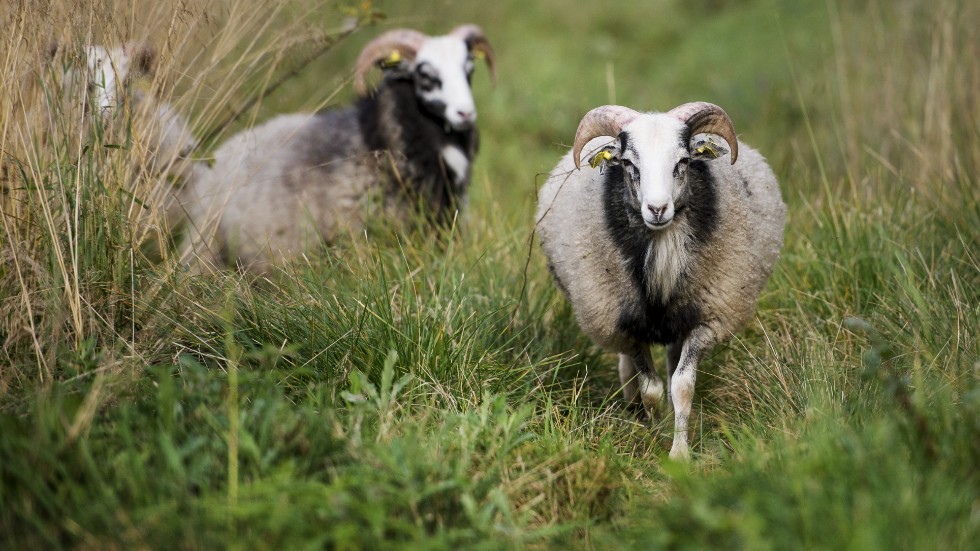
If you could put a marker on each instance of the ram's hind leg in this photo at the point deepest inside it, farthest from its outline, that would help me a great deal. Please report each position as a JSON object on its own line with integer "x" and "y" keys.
{"x": 628, "y": 379}
{"x": 640, "y": 380}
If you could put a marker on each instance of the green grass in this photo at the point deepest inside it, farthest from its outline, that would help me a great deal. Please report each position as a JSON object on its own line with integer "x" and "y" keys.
{"x": 393, "y": 392}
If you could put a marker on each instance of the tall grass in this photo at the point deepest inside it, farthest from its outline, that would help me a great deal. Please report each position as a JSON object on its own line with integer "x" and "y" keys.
{"x": 81, "y": 212}
{"x": 389, "y": 391}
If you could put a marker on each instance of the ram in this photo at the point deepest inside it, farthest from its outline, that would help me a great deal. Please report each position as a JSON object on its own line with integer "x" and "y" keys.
{"x": 111, "y": 84}
{"x": 667, "y": 238}
{"x": 102, "y": 102}
{"x": 301, "y": 179}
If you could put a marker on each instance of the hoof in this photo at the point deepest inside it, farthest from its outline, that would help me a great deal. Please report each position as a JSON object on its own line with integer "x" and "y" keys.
{"x": 680, "y": 453}
{"x": 637, "y": 409}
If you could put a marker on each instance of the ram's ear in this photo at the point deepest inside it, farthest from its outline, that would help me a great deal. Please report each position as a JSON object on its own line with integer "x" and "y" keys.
{"x": 608, "y": 155}
{"x": 390, "y": 49}
{"x": 607, "y": 120}
{"x": 396, "y": 63}
{"x": 704, "y": 147}
{"x": 707, "y": 118}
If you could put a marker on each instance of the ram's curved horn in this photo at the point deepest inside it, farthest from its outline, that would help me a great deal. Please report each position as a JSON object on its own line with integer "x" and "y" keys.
{"x": 707, "y": 118}
{"x": 607, "y": 120}
{"x": 404, "y": 41}
{"x": 478, "y": 43}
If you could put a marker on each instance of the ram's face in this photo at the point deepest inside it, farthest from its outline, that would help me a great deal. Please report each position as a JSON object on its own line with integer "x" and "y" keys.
{"x": 105, "y": 72}
{"x": 442, "y": 72}
{"x": 653, "y": 152}
{"x": 97, "y": 75}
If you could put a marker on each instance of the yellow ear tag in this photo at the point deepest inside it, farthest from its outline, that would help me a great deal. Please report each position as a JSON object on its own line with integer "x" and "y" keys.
{"x": 392, "y": 60}
{"x": 599, "y": 157}
{"x": 479, "y": 54}
{"x": 709, "y": 148}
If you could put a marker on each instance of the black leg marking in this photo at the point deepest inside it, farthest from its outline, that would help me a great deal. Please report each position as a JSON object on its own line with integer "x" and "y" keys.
{"x": 674, "y": 356}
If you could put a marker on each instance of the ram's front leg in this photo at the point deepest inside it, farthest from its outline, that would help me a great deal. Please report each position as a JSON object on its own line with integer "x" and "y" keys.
{"x": 694, "y": 345}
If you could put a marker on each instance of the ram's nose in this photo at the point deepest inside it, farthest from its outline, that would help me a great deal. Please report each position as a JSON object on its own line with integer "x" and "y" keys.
{"x": 658, "y": 215}
{"x": 465, "y": 119}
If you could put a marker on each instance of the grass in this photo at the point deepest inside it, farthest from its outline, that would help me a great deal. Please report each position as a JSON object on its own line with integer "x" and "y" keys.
{"x": 394, "y": 393}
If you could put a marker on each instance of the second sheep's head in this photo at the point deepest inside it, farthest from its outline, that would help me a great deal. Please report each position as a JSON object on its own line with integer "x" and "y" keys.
{"x": 440, "y": 68}
{"x": 654, "y": 151}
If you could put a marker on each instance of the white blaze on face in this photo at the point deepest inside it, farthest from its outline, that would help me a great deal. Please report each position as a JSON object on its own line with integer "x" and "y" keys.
{"x": 655, "y": 150}
{"x": 442, "y": 69}
{"x": 106, "y": 70}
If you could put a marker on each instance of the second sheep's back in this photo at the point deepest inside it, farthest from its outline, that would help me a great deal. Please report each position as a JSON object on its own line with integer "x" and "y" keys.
{"x": 285, "y": 186}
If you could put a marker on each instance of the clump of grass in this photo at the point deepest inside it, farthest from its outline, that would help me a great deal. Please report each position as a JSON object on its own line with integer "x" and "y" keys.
{"x": 82, "y": 219}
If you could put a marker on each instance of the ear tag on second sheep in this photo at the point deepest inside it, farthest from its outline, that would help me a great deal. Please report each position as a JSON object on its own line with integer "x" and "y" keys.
{"x": 392, "y": 60}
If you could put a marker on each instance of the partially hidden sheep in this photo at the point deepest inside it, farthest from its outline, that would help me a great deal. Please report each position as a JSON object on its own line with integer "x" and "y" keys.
{"x": 110, "y": 83}
{"x": 665, "y": 239}
{"x": 301, "y": 179}
{"x": 100, "y": 97}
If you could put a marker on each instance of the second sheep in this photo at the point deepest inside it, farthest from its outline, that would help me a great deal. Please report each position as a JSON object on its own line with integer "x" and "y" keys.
{"x": 278, "y": 189}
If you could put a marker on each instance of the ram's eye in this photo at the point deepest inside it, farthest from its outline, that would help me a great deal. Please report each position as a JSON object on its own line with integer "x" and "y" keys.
{"x": 426, "y": 82}
{"x": 627, "y": 163}
{"x": 427, "y": 78}
{"x": 681, "y": 165}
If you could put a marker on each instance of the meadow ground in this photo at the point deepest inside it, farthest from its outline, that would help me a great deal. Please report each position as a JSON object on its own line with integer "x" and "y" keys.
{"x": 391, "y": 392}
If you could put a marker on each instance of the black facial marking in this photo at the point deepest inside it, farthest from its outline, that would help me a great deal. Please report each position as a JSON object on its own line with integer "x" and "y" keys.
{"x": 681, "y": 165}
{"x": 685, "y": 139}
{"x": 630, "y": 172}
{"x": 654, "y": 318}
{"x": 420, "y": 130}
{"x": 700, "y": 202}
{"x": 436, "y": 107}
{"x": 427, "y": 78}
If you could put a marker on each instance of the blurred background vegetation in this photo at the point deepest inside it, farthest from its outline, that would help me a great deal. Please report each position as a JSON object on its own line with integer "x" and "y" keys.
{"x": 393, "y": 392}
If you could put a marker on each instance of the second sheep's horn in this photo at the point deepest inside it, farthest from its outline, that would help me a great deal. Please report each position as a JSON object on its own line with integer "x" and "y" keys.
{"x": 404, "y": 41}
{"x": 478, "y": 43}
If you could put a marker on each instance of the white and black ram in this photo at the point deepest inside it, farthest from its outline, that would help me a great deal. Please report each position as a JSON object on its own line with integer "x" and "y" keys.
{"x": 665, "y": 239}
{"x": 301, "y": 179}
